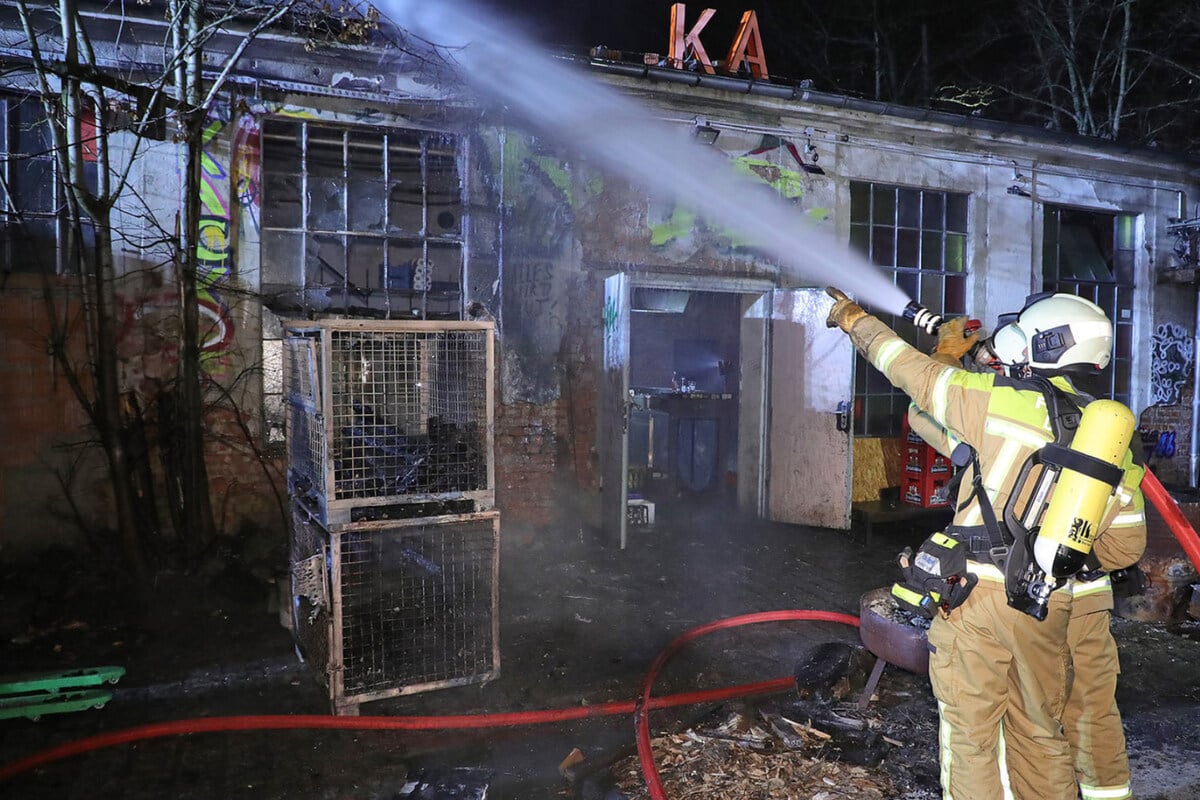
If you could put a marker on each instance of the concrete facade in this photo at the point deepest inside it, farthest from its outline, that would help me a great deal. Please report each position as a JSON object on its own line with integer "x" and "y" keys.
{"x": 543, "y": 230}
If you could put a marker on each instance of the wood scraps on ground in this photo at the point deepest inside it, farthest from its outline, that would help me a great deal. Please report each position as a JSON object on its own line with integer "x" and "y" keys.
{"x": 757, "y": 753}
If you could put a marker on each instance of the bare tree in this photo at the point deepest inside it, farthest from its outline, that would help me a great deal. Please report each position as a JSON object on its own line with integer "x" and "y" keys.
{"x": 1113, "y": 69}
{"x": 85, "y": 99}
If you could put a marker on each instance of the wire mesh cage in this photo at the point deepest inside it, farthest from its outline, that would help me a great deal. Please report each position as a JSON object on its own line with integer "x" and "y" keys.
{"x": 397, "y": 607}
{"x": 390, "y": 419}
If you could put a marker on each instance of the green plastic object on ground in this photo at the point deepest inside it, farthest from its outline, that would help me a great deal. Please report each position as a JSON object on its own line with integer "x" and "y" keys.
{"x": 36, "y": 694}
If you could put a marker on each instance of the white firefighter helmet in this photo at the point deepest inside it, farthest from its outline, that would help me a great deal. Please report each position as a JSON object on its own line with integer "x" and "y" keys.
{"x": 1055, "y": 333}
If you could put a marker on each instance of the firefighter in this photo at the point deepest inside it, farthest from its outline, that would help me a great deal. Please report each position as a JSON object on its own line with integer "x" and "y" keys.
{"x": 986, "y": 656}
{"x": 1091, "y": 720}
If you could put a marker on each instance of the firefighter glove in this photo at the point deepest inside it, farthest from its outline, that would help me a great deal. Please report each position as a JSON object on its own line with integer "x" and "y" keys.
{"x": 935, "y": 578}
{"x": 953, "y": 340}
{"x": 845, "y": 312}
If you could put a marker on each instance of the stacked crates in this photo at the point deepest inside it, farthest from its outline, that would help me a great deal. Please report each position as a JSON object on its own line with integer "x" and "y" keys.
{"x": 925, "y": 473}
{"x": 394, "y": 541}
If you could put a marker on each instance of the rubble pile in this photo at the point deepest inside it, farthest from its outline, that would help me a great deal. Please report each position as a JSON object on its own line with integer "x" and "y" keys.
{"x": 744, "y": 759}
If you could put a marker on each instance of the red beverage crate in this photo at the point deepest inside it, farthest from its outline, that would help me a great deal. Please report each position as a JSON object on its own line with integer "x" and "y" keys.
{"x": 925, "y": 490}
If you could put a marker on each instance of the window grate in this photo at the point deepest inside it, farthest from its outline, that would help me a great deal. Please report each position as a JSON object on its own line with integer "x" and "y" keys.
{"x": 920, "y": 236}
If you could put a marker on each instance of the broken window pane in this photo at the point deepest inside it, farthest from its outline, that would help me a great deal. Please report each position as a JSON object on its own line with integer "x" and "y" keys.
{"x": 444, "y": 194}
{"x": 281, "y": 259}
{"x": 281, "y": 203}
{"x": 406, "y": 186}
{"x": 365, "y": 262}
{"x": 367, "y": 196}
{"x": 326, "y": 261}
{"x": 445, "y": 261}
{"x": 326, "y": 207}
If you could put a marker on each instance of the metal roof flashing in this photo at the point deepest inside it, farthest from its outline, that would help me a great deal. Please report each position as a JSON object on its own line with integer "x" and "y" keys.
{"x": 1058, "y": 146}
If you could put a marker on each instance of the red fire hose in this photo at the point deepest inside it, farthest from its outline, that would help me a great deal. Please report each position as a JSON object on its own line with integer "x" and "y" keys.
{"x": 466, "y": 721}
{"x": 1152, "y": 488}
{"x": 1176, "y": 521}
{"x": 645, "y": 754}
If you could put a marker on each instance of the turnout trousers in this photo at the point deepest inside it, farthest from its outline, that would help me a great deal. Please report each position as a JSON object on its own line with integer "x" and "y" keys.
{"x": 1091, "y": 719}
{"x": 985, "y": 659}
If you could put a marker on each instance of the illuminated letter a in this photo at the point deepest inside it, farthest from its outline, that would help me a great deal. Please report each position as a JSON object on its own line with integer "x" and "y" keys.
{"x": 747, "y": 46}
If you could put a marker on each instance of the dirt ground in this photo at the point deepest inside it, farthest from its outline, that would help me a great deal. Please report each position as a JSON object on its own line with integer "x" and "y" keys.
{"x": 579, "y": 624}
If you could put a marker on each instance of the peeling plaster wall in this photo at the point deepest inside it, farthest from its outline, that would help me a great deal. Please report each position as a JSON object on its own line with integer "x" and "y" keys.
{"x": 543, "y": 231}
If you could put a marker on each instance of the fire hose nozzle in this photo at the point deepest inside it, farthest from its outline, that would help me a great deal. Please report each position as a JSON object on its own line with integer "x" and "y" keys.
{"x": 922, "y": 317}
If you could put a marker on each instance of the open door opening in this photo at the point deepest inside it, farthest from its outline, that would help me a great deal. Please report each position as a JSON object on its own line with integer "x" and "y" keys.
{"x": 684, "y": 418}
{"x": 719, "y": 399}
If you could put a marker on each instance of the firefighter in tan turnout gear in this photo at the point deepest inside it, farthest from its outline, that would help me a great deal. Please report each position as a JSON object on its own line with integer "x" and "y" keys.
{"x": 1091, "y": 721}
{"x": 999, "y": 649}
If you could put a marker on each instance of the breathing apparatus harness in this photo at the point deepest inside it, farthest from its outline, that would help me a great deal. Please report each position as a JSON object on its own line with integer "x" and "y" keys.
{"x": 936, "y": 578}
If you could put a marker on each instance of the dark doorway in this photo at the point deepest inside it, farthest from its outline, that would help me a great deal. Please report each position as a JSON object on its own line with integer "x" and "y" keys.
{"x": 684, "y": 387}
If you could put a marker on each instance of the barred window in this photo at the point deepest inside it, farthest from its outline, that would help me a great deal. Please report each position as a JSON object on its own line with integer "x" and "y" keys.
{"x": 920, "y": 236}
{"x": 356, "y": 221}
{"x": 361, "y": 221}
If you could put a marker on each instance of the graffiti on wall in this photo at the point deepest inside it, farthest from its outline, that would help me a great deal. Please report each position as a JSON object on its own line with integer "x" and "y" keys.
{"x": 1172, "y": 353}
{"x": 245, "y": 167}
{"x": 214, "y": 254}
{"x": 774, "y": 161}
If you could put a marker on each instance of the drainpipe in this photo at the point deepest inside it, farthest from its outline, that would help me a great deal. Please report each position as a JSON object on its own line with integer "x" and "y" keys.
{"x": 1193, "y": 448}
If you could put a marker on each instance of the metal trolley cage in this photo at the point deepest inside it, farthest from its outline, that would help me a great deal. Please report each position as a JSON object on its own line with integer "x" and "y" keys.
{"x": 389, "y": 419}
{"x": 397, "y": 607}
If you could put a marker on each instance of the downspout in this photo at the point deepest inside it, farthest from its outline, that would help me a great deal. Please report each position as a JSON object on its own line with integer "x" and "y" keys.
{"x": 1194, "y": 447}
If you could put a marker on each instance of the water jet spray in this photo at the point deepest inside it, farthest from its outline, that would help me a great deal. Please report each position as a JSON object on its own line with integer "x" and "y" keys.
{"x": 611, "y": 130}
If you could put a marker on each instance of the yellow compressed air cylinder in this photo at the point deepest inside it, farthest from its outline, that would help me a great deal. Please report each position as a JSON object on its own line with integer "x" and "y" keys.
{"x": 1069, "y": 526}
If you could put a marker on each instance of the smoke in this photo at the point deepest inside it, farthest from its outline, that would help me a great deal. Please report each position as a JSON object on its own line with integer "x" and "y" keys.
{"x": 612, "y": 130}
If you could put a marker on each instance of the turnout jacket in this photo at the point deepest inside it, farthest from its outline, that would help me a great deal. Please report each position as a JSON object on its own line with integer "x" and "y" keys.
{"x": 1005, "y": 421}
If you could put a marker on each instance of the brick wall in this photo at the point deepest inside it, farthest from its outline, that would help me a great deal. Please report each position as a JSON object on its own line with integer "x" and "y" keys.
{"x": 41, "y": 419}
{"x": 527, "y": 462}
{"x": 44, "y": 424}
{"x": 547, "y": 462}
{"x": 246, "y": 487}
{"x": 1166, "y": 433}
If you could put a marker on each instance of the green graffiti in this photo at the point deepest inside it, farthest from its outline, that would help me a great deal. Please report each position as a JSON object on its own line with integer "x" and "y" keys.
{"x": 679, "y": 224}
{"x": 788, "y": 182}
{"x": 610, "y": 316}
{"x": 520, "y": 162}
{"x": 556, "y": 171}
